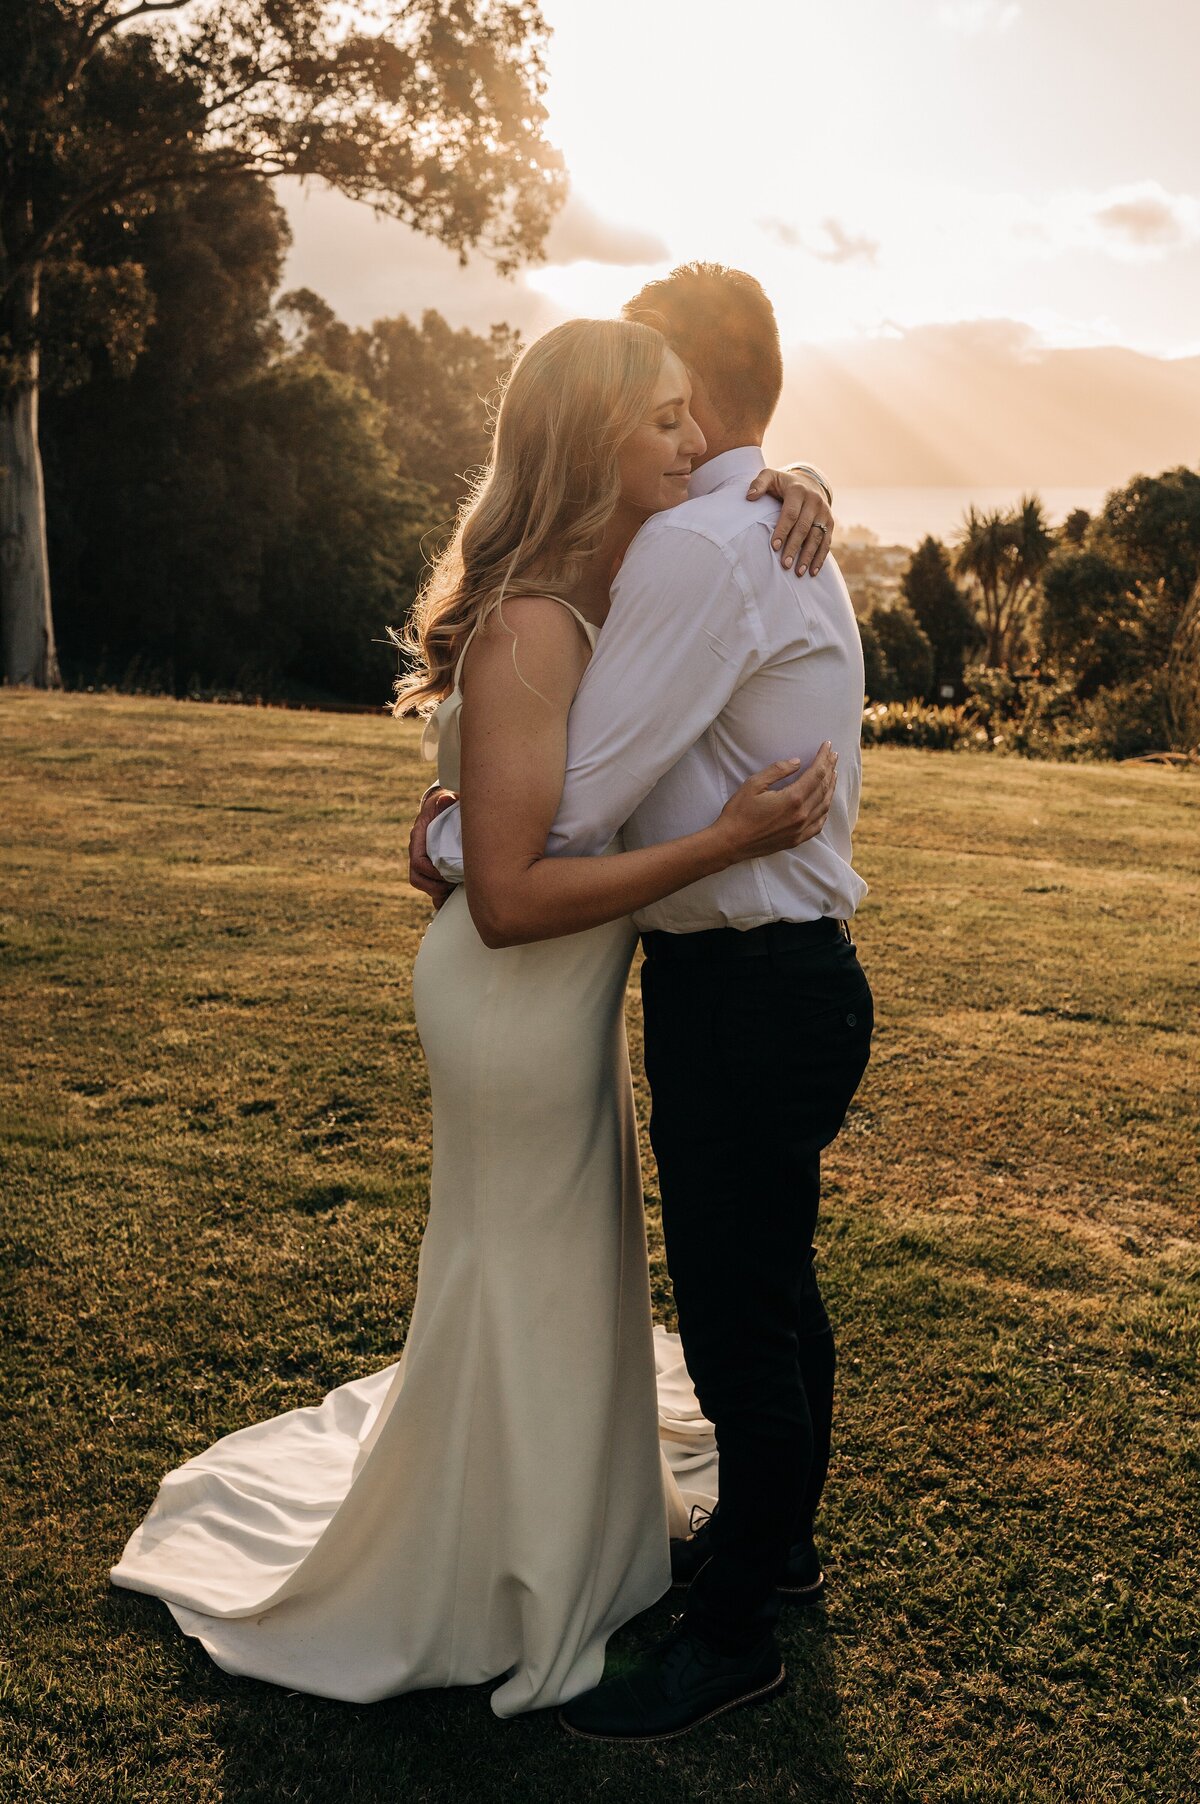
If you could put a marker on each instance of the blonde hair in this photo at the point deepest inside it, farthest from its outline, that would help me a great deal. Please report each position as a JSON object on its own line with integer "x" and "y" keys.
{"x": 541, "y": 506}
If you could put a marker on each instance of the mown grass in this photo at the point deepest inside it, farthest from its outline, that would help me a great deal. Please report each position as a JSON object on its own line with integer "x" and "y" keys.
{"x": 216, "y": 1156}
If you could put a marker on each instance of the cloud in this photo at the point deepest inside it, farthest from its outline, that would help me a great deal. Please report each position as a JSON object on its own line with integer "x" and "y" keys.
{"x": 840, "y": 248}
{"x": 580, "y": 235}
{"x": 782, "y": 232}
{"x": 1135, "y": 222}
{"x": 1149, "y": 221}
{"x": 974, "y": 17}
{"x": 843, "y": 248}
{"x": 987, "y": 340}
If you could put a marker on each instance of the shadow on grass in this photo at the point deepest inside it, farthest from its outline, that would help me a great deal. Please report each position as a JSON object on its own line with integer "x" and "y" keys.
{"x": 434, "y": 1747}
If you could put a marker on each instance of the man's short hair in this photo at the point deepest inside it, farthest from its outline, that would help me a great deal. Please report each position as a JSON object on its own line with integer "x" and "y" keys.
{"x": 722, "y": 325}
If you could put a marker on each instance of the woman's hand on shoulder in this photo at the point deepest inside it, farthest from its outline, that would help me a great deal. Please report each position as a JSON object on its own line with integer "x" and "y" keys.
{"x": 761, "y": 818}
{"x": 805, "y": 526}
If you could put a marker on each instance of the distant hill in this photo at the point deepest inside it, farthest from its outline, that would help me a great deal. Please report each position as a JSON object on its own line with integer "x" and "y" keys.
{"x": 982, "y": 404}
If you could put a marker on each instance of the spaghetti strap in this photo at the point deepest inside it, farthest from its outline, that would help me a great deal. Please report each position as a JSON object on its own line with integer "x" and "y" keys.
{"x": 462, "y": 656}
{"x": 440, "y": 739}
{"x": 588, "y": 630}
{"x": 587, "y": 626}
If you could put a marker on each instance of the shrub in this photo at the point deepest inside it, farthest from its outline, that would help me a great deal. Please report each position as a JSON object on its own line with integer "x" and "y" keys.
{"x": 927, "y": 728}
{"x": 1126, "y": 720}
{"x": 993, "y": 697}
{"x": 1043, "y": 718}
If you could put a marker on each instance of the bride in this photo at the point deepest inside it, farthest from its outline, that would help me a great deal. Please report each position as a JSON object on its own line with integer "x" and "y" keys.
{"x": 497, "y": 1502}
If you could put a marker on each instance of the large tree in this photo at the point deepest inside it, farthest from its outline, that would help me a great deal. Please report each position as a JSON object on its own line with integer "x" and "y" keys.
{"x": 1151, "y": 528}
{"x": 1003, "y": 555}
{"x": 222, "y": 517}
{"x": 943, "y": 613}
{"x": 428, "y": 110}
{"x": 1091, "y": 620}
{"x": 907, "y": 673}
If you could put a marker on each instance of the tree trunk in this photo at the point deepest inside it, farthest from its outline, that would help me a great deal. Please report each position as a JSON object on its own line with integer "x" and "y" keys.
{"x": 27, "y": 624}
{"x": 1183, "y": 678}
{"x": 994, "y": 651}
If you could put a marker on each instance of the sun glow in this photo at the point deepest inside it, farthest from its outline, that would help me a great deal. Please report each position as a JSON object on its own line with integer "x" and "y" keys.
{"x": 936, "y": 196}
{"x": 874, "y": 163}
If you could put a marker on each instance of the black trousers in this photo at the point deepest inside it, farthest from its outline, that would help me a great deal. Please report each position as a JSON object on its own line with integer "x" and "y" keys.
{"x": 752, "y": 1062}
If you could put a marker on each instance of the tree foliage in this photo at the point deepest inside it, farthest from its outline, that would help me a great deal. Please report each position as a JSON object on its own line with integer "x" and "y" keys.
{"x": 1118, "y": 614}
{"x": 1002, "y": 555}
{"x": 428, "y": 110}
{"x": 224, "y": 518}
{"x": 341, "y": 557}
{"x": 877, "y": 677}
{"x": 943, "y": 613}
{"x": 434, "y": 383}
{"x": 1183, "y": 676}
{"x": 907, "y": 673}
{"x": 1091, "y": 619}
{"x": 1151, "y": 529}
{"x": 1074, "y": 528}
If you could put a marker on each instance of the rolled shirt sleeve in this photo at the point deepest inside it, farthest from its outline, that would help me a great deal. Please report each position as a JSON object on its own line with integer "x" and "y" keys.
{"x": 444, "y": 844}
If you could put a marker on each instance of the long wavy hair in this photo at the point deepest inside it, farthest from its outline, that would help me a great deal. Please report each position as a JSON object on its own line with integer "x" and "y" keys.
{"x": 540, "y": 508}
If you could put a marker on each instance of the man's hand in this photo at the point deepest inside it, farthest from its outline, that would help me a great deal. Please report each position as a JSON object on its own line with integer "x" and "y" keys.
{"x": 805, "y": 525}
{"x": 422, "y": 873}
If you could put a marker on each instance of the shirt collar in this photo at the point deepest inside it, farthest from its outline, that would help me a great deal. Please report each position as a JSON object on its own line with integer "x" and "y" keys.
{"x": 741, "y": 464}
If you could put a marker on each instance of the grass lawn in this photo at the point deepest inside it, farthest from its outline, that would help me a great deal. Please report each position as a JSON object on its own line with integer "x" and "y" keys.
{"x": 215, "y": 1125}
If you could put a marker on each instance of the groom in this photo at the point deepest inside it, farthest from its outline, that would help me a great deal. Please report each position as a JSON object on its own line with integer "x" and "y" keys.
{"x": 714, "y": 661}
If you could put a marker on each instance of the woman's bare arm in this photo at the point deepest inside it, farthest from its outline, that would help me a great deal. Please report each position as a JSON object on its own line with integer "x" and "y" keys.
{"x": 521, "y": 674}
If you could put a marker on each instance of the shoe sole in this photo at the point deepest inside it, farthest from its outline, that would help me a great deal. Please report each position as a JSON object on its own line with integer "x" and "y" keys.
{"x": 804, "y": 1594}
{"x": 796, "y": 1594}
{"x": 750, "y": 1697}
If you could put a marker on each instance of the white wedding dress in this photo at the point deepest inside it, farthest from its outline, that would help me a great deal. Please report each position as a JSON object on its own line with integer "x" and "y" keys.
{"x": 497, "y": 1502}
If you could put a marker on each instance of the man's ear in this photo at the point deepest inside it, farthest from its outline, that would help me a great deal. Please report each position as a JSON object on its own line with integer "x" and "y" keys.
{"x": 702, "y": 410}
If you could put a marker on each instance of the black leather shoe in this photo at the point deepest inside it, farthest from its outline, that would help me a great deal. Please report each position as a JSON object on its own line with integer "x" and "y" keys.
{"x": 680, "y": 1683}
{"x": 802, "y": 1581}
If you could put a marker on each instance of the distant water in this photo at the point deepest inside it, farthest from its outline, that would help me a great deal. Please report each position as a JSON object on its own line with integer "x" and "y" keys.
{"x": 904, "y": 516}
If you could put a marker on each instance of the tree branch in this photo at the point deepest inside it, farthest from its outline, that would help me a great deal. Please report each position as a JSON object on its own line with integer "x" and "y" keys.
{"x": 227, "y": 99}
{"x": 92, "y": 38}
{"x": 117, "y": 188}
{"x": 135, "y": 12}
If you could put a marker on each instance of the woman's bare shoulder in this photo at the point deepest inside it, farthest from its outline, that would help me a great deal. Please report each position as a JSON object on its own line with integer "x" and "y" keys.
{"x": 536, "y": 638}
{"x": 541, "y": 614}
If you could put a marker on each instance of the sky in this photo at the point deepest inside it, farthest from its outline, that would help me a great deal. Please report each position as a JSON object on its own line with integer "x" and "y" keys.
{"x": 976, "y": 218}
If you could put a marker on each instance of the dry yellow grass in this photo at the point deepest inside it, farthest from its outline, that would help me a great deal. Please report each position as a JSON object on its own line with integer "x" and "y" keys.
{"x": 216, "y": 1150}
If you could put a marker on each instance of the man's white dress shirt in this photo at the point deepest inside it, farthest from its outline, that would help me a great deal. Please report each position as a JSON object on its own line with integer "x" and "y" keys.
{"x": 713, "y": 662}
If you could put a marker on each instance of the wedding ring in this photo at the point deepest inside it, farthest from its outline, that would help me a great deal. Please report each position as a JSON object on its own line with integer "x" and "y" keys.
{"x": 819, "y": 529}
